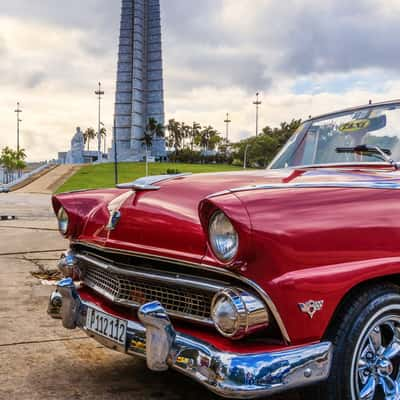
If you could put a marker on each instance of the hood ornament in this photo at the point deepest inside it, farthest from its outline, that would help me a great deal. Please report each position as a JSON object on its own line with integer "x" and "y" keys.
{"x": 148, "y": 182}
{"x": 113, "y": 221}
{"x": 311, "y": 307}
{"x": 114, "y": 210}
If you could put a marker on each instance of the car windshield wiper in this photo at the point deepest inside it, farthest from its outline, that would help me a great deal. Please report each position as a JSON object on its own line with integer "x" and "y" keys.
{"x": 372, "y": 150}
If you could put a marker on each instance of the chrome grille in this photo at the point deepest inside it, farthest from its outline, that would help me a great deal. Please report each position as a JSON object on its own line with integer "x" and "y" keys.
{"x": 178, "y": 300}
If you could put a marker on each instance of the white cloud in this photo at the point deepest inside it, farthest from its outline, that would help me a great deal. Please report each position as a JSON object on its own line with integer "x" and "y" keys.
{"x": 305, "y": 56}
{"x": 46, "y": 68}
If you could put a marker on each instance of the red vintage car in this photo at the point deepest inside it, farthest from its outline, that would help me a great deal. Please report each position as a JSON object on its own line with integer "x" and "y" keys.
{"x": 257, "y": 282}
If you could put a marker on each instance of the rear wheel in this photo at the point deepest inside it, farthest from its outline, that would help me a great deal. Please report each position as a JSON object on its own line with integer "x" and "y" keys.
{"x": 366, "y": 338}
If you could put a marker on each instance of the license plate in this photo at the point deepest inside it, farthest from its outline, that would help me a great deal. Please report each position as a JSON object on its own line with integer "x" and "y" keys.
{"x": 107, "y": 326}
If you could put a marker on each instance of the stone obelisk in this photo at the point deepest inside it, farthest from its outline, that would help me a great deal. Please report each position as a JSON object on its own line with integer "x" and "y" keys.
{"x": 140, "y": 91}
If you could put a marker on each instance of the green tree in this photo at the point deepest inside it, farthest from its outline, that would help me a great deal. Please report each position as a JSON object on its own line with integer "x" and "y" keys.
{"x": 20, "y": 156}
{"x": 155, "y": 128}
{"x": 224, "y": 150}
{"x": 175, "y": 137}
{"x": 262, "y": 149}
{"x": 208, "y": 138}
{"x": 89, "y": 134}
{"x": 12, "y": 161}
{"x": 185, "y": 133}
{"x": 149, "y": 133}
{"x": 214, "y": 139}
{"x": 194, "y": 132}
{"x": 103, "y": 135}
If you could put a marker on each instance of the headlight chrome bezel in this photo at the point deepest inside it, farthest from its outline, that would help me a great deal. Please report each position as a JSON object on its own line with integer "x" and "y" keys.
{"x": 63, "y": 221}
{"x": 251, "y": 313}
{"x": 219, "y": 217}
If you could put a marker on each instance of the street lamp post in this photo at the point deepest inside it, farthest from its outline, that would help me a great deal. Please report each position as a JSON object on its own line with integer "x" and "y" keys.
{"x": 257, "y": 103}
{"x": 115, "y": 152}
{"x": 18, "y": 111}
{"x": 99, "y": 93}
{"x": 227, "y": 122}
{"x": 245, "y": 156}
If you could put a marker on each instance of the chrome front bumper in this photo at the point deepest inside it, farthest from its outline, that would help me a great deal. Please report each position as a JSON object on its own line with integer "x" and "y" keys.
{"x": 227, "y": 374}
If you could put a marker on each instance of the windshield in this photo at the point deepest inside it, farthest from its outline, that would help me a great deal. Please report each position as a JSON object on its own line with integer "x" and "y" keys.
{"x": 336, "y": 139}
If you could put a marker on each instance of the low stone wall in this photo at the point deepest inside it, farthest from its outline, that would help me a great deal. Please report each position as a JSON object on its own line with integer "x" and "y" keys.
{"x": 21, "y": 181}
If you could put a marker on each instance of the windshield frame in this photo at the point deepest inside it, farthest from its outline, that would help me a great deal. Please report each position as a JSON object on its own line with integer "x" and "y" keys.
{"x": 297, "y": 138}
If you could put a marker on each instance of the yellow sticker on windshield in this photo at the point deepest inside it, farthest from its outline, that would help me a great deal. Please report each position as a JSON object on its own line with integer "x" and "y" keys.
{"x": 355, "y": 126}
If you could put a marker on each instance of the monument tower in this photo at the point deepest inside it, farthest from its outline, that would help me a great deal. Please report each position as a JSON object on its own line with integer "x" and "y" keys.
{"x": 139, "y": 91}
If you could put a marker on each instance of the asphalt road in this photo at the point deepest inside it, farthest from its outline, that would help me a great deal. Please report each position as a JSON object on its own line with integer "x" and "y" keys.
{"x": 38, "y": 358}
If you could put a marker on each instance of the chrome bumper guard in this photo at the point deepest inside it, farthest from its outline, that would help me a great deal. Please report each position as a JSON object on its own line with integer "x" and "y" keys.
{"x": 227, "y": 374}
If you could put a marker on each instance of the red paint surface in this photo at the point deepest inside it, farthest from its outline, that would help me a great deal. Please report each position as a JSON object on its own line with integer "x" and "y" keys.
{"x": 297, "y": 244}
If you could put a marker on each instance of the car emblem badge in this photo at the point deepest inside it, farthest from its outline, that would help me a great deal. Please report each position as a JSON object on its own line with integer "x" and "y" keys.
{"x": 311, "y": 307}
{"x": 114, "y": 219}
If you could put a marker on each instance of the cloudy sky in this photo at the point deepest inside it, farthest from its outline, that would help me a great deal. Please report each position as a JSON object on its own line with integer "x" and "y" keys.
{"x": 304, "y": 56}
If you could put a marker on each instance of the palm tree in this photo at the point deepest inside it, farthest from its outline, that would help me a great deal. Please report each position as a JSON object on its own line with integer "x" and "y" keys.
{"x": 175, "y": 135}
{"x": 7, "y": 161}
{"x": 196, "y": 127}
{"x": 159, "y": 130}
{"x": 151, "y": 125}
{"x": 12, "y": 161}
{"x": 149, "y": 133}
{"x": 203, "y": 137}
{"x": 208, "y": 138}
{"x": 103, "y": 135}
{"x": 214, "y": 139}
{"x": 153, "y": 129}
{"x": 185, "y": 132}
{"x": 89, "y": 135}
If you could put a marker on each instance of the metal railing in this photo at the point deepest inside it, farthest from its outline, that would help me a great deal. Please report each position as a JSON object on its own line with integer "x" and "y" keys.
{"x": 9, "y": 180}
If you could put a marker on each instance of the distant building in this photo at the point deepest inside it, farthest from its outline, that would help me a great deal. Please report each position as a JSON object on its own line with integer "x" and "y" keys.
{"x": 140, "y": 89}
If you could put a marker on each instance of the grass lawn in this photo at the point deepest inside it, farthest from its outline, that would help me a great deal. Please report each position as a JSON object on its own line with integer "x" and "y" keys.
{"x": 102, "y": 175}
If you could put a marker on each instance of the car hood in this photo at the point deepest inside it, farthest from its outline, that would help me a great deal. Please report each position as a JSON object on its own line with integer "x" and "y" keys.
{"x": 166, "y": 222}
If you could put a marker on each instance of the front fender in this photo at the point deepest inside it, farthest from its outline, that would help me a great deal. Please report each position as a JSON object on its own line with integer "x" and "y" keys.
{"x": 328, "y": 283}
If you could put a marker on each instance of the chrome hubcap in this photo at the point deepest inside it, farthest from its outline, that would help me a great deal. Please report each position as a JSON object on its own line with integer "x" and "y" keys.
{"x": 376, "y": 371}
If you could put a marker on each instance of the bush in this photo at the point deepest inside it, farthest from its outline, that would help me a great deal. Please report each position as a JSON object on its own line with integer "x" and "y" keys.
{"x": 171, "y": 171}
{"x": 237, "y": 163}
{"x": 188, "y": 156}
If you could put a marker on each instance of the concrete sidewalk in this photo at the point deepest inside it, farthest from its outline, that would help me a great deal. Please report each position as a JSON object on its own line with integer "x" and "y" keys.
{"x": 39, "y": 360}
{"x": 51, "y": 181}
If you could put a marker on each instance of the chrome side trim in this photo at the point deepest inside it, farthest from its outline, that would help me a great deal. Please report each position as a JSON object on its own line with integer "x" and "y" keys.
{"x": 204, "y": 267}
{"x": 147, "y": 183}
{"x": 337, "y": 165}
{"x": 387, "y": 185}
{"x": 232, "y": 375}
{"x": 137, "y": 187}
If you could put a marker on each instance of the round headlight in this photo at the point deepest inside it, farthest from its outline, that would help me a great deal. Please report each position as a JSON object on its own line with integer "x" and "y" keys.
{"x": 63, "y": 221}
{"x": 224, "y": 239}
{"x": 237, "y": 313}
